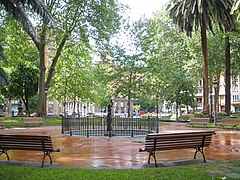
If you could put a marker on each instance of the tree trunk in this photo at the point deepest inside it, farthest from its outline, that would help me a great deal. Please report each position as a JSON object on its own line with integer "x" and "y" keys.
{"x": 227, "y": 77}
{"x": 129, "y": 104}
{"x": 177, "y": 111}
{"x": 217, "y": 94}
{"x": 204, "y": 68}
{"x": 41, "y": 81}
{"x": 109, "y": 116}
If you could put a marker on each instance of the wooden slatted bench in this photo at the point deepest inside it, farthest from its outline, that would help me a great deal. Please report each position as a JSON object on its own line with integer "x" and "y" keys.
{"x": 27, "y": 142}
{"x": 174, "y": 141}
{"x": 184, "y": 118}
{"x": 165, "y": 118}
{"x": 234, "y": 122}
{"x": 33, "y": 120}
{"x": 199, "y": 121}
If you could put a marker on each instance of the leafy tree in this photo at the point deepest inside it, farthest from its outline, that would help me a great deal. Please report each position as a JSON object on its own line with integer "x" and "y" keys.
{"x": 73, "y": 79}
{"x": 23, "y": 83}
{"x": 79, "y": 20}
{"x": 146, "y": 104}
{"x": 85, "y": 21}
{"x": 166, "y": 56}
{"x": 189, "y": 15}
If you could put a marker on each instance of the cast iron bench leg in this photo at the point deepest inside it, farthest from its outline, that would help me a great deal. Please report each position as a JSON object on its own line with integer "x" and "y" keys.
{"x": 152, "y": 153}
{"x": 200, "y": 149}
{"x": 46, "y": 154}
{"x": 4, "y": 151}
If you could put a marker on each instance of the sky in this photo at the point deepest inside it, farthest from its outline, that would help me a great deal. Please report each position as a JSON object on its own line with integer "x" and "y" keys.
{"x": 143, "y": 7}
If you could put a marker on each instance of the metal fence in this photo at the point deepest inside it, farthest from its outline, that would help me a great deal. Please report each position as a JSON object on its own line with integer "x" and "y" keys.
{"x": 97, "y": 126}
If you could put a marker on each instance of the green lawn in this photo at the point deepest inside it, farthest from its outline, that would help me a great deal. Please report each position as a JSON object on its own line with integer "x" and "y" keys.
{"x": 216, "y": 170}
{"x": 211, "y": 125}
{"x": 19, "y": 122}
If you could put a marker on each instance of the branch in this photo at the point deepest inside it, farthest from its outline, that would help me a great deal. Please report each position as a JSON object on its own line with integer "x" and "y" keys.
{"x": 19, "y": 14}
{"x": 54, "y": 62}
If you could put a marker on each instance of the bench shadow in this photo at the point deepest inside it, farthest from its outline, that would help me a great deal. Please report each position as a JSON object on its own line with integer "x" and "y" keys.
{"x": 176, "y": 163}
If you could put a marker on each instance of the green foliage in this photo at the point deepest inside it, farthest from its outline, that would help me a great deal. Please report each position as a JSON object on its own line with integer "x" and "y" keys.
{"x": 237, "y": 114}
{"x": 3, "y": 61}
{"x": 33, "y": 102}
{"x": 18, "y": 10}
{"x": 222, "y": 114}
{"x": 23, "y": 82}
{"x": 198, "y": 115}
{"x": 146, "y": 104}
{"x": 166, "y": 57}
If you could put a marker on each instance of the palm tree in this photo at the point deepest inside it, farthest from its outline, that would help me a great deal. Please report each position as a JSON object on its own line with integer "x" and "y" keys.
{"x": 189, "y": 15}
{"x": 17, "y": 8}
{"x": 236, "y": 6}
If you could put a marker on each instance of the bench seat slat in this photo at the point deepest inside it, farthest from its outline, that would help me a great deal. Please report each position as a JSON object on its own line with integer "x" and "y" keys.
{"x": 177, "y": 142}
{"x": 177, "y": 145}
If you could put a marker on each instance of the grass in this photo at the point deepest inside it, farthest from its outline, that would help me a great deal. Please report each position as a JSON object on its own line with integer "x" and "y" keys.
{"x": 216, "y": 170}
{"x": 49, "y": 121}
{"x": 57, "y": 121}
{"x": 211, "y": 125}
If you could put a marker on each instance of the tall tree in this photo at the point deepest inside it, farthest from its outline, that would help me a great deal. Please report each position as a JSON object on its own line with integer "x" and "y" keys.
{"x": 92, "y": 22}
{"x": 23, "y": 83}
{"x": 189, "y": 15}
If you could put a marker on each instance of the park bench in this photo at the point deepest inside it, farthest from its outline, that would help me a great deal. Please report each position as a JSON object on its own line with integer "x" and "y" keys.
{"x": 183, "y": 118}
{"x": 174, "y": 141}
{"x": 199, "y": 121}
{"x": 165, "y": 118}
{"x": 27, "y": 142}
{"x": 33, "y": 120}
{"x": 234, "y": 122}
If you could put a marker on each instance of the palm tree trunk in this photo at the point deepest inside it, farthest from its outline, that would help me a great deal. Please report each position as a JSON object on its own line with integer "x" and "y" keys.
{"x": 227, "y": 76}
{"x": 204, "y": 68}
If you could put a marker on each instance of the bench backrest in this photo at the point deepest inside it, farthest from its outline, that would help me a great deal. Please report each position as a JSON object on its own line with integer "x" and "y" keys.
{"x": 178, "y": 140}
{"x": 206, "y": 120}
{"x": 230, "y": 120}
{"x": 26, "y": 142}
{"x": 184, "y": 117}
{"x": 33, "y": 119}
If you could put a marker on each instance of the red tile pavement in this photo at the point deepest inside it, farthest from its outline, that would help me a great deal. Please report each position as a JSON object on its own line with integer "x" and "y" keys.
{"x": 120, "y": 152}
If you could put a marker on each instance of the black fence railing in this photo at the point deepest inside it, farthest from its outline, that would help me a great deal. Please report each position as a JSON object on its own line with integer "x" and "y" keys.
{"x": 97, "y": 126}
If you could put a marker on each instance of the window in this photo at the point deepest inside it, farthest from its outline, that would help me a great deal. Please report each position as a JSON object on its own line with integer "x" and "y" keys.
{"x": 235, "y": 88}
{"x": 199, "y": 100}
{"x": 200, "y": 83}
{"x": 236, "y": 98}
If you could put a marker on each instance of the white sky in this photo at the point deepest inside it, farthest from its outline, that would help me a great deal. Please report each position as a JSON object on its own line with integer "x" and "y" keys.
{"x": 143, "y": 7}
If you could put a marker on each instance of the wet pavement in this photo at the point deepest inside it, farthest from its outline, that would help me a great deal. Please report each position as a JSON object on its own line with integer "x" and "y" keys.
{"x": 120, "y": 152}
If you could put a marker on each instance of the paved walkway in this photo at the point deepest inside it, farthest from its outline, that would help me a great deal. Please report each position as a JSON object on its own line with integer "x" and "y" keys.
{"x": 120, "y": 152}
